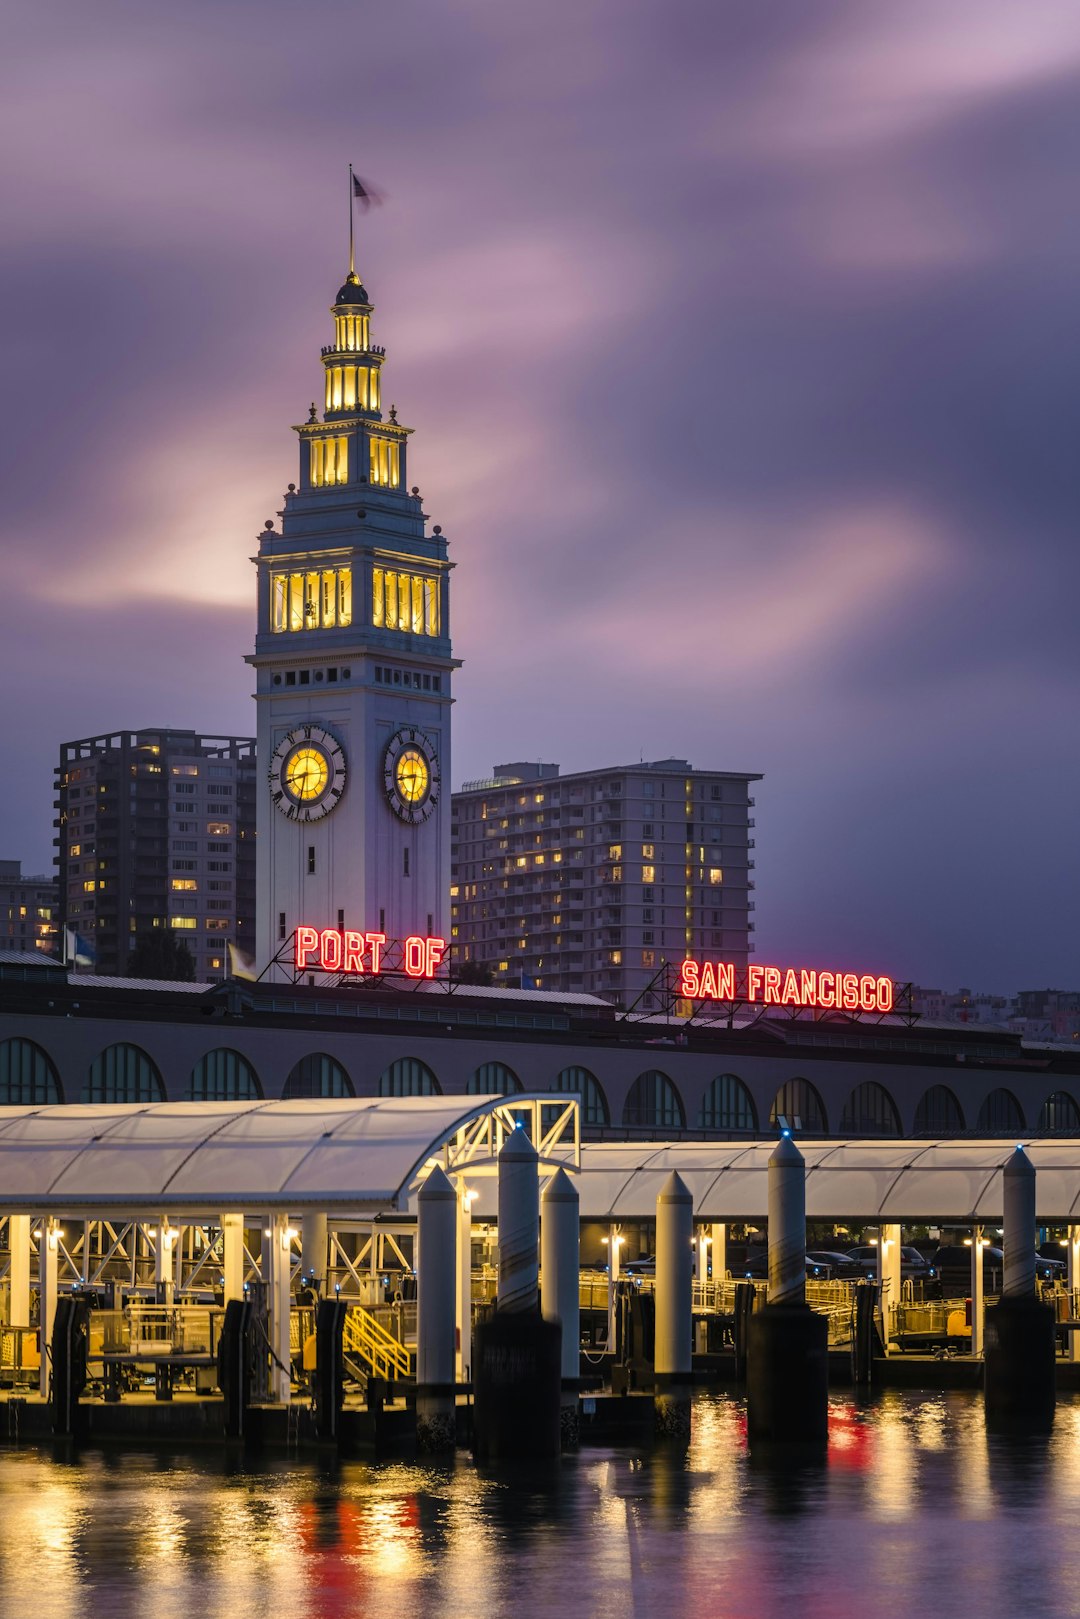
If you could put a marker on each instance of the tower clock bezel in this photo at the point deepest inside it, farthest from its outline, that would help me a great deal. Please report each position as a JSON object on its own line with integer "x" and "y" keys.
{"x": 410, "y": 739}
{"x": 318, "y": 740}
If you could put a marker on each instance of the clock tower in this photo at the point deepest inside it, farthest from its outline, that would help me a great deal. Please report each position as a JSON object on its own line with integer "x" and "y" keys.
{"x": 353, "y": 668}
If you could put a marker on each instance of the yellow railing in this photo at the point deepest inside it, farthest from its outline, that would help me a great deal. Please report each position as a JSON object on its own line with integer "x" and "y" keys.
{"x": 382, "y": 1352}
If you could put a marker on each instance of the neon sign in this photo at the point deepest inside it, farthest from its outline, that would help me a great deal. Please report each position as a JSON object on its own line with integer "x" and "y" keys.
{"x": 346, "y": 950}
{"x": 800, "y": 987}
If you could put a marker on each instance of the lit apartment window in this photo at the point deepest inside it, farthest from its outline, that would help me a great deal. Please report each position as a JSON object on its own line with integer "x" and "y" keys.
{"x": 311, "y": 601}
{"x": 219, "y": 829}
{"x": 648, "y": 874}
{"x": 716, "y": 876}
{"x": 648, "y": 851}
{"x": 404, "y": 601}
{"x": 183, "y": 922}
{"x": 614, "y": 851}
{"x": 183, "y": 885}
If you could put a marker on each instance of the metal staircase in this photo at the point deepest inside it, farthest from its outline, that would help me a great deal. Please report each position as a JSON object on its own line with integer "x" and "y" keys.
{"x": 371, "y": 1350}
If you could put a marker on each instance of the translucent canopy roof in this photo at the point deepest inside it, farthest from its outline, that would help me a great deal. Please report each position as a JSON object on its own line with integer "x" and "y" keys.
{"x": 904, "y": 1181}
{"x": 359, "y": 1154}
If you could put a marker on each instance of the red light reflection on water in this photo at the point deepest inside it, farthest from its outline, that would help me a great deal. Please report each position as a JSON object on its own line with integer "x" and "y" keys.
{"x": 851, "y": 1439}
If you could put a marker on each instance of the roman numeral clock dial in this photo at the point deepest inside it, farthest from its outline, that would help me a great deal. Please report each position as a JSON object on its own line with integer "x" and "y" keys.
{"x": 307, "y": 773}
{"x": 411, "y": 775}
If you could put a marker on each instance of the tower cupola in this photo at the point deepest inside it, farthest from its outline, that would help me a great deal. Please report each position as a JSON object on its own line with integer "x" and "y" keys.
{"x": 351, "y": 362}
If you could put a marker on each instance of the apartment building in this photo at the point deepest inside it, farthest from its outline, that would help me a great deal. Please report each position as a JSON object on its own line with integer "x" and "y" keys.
{"x": 592, "y": 881}
{"x": 156, "y": 830}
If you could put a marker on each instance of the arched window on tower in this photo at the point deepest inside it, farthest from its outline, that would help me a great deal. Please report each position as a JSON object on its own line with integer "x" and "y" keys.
{"x": 797, "y": 1106}
{"x": 869, "y": 1111}
{"x": 123, "y": 1073}
{"x": 938, "y": 1113}
{"x": 1059, "y": 1115}
{"x": 493, "y": 1079}
{"x": 727, "y": 1105}
{"x": 594, "y": 1108}
{"x": 653, "y": 1103}
{"x": 27, "y": 1075}
{"x": 1000, "y": 1114}
{"x": 318, "y": 1075}
{"x": 408, "y": 1076}
{"x": 223, "y": 1076}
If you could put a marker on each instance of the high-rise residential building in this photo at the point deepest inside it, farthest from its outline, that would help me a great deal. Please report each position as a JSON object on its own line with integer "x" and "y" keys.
{"x": 156, "y": 830}
{"x": 28, "y": 910}
{"x": 353, "y": 669}
{"x": 590, "y": 882}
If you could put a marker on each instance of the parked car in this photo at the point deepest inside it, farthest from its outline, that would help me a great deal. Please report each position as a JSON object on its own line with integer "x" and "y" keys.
{"x": 819, "y": 1265}
{"x": 913, "y": 1264}
{"x": 831, "y": 1265}
{"x": 953, "y": 1267}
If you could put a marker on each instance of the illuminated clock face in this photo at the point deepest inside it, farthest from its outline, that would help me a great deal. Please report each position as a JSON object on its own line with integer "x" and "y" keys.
{"x": 411, "y": 775}
{"x": 307, "y": 773}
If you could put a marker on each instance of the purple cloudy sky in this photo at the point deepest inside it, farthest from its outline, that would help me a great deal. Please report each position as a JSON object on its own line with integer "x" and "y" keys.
{"x": 742, "y": 345}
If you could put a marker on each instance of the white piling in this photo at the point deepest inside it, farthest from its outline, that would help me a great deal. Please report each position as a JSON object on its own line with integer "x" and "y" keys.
{"x": 519, "y": 1224}
{"x": 48, "y": 1271}
{"x": 978, "y": 1289}
{"x": 560, "y": 1266}
{"x": 277, "y": 1273}
{"x": 674, "y": 1277}
{"x": 313, "y": 1250}
{"x": 19, "y": 1246}
{"x": 436, "y": 1311}
{"x": 436, "y": 1287}
{"x": 166, "y": 1239}
{"x": 718, "y": 1253}
{"x": 232, "y": 1242}
{"x": 463, "y": 1308}
{"x": 889, "y": 1275}
{"x": 1018, "y": 1186}
{"x": 787, "y": 1224}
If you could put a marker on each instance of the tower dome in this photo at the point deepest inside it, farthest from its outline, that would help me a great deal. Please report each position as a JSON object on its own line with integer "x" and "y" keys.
{"x": 353, "y": 292}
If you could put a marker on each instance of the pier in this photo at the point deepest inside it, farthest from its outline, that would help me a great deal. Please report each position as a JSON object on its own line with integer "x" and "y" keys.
{"x": 318, "y": 1272}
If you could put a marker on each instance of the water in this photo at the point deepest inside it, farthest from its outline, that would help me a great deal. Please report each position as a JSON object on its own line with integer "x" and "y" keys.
{"x": 916, "y": 1513}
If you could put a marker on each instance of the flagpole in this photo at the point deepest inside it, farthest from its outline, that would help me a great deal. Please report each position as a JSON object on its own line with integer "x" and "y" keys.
{"x": 352, "y": 256}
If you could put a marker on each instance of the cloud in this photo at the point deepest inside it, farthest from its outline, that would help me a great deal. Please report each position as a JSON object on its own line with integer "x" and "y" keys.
{"x": 737, "y": 344}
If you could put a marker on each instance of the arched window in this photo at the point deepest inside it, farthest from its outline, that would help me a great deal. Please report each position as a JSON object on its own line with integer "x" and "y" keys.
{"x": 1000, "y": 1114}
{"x": 727, "y": 1105}
{"x": 123, "y": 1073}
{"x": 407, "y": 1076}
{"x": 1059, "y": 1116}
{"x": 938, "y": 1113}
{"x": 797, "y": 1106}
{"x": 27, "y": 1075}
{"x": 493, "y": 1079}
{"x": 223, "y": 1076}
{"x": 653, "y": 1103}
{"x": 594, "y": 1108}
{"x": 318, "y": 1075}
{"x": 869, "y": 1111}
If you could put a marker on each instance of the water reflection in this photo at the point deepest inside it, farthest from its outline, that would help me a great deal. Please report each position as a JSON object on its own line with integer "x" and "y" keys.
{"x": 916, "y": 1508}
